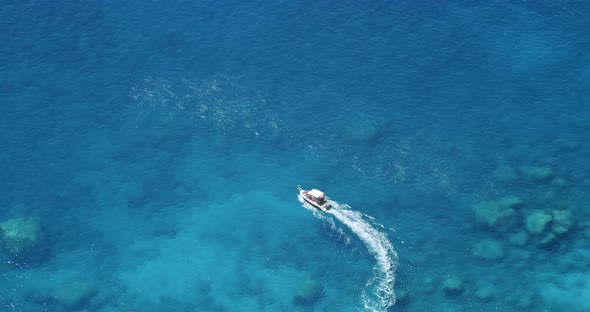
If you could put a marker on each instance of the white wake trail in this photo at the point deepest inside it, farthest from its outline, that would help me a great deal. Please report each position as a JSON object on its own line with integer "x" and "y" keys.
{"x": 323, "y": 217}
{"x": 378, "y": 294}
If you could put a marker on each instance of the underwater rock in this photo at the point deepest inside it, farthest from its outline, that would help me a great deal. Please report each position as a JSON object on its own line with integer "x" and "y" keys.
{"x": 504, "y": 221}
{"x": 74, "y": 293}
{"x": 429, "y": 283}
{"x": 20, "y": 235}
{"x": 519, "y": 239}
{"x": 488, "y": 249}
{"x": 559, "y": 182}
{"x": 500, "y": 215}
{"x": 362, "y": 131}
{"x": 548, "y": 240}
{"x": 505, "y": 173}
{"x": 453, "y": 286}
{"x": 308, "y": 293}
{"x": 537, "y": 221}
{"x": 513, "y": 202}
{"x": 539, "y": 174}
{"x": 568, "y": 144}
{"x": 563, "y": 221}
{"x": 402, "y": 296}
{"x": 485, "y": 292}
{"x": 485, "y": 211}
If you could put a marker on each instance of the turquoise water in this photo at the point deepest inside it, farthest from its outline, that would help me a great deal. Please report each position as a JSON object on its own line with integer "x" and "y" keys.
{"x": 151, "y": 153}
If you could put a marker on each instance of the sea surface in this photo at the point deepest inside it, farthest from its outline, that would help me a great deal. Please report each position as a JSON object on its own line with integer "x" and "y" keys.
{"x": 150, "y": 153}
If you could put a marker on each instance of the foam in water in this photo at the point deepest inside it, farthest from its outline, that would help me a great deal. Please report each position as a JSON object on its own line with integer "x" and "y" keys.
{"x": 323, "y": 217}
{"x": 378, "y": 293}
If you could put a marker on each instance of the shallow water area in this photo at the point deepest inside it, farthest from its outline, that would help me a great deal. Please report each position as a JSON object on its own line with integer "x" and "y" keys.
{"x": 151, "y": 153}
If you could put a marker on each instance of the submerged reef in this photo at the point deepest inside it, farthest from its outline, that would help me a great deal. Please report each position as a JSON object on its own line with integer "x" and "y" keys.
{"x": 365, "y": 131}
{"x": 453, "y": 286}
{"x": 527, "y": 218}
{"x": 537, "y": 174}
{"x": 537, "y": 221}
{"x": 485, "y": 292}
{"x": 308, "y": 293}
{"x": 488, "y": 249}
{"x": 66, "y": 293}
{"x": 547, "y": 227}
{"x": 500, "y": 215}
{"x": 521, "y": 224}
{"x": 20, "y": 236}
{"x": 74, "y": 294}
{"x": 361, "y": 131}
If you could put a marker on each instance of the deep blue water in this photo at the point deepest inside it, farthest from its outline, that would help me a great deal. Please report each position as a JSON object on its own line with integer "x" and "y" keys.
{"x": 151, "y": 150}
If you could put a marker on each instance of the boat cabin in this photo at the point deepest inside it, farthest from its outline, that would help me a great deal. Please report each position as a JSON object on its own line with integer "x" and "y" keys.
{"x": 317, "y": 196}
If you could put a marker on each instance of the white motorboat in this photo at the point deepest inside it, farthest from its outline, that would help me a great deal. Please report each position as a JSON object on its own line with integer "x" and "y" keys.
{"x": 315, "y": 198}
